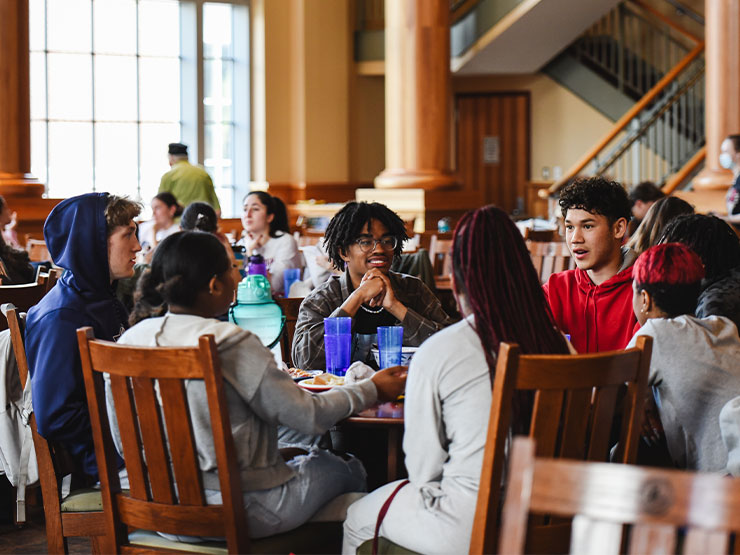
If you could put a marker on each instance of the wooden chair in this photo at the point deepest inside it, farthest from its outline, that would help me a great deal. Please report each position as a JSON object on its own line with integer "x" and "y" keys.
{"x": 161, "y": 457}
{"x": 440, "y": 256}
{"x": 575, "y": 397}
{"x": 550, "y": 258}
{"x": 663, "y": 510}
{"x": 23, "y": 296}
{"x": 37, "y": 251}
{"x": 79, "y": 513}
{"x": 290, "y": 307}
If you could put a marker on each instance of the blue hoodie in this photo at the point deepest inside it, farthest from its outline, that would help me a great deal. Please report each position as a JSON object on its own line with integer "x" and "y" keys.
{"x": 76, "y": 235}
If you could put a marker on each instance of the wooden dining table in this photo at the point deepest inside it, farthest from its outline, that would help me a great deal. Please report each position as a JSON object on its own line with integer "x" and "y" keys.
{"x": 389, "y": 418}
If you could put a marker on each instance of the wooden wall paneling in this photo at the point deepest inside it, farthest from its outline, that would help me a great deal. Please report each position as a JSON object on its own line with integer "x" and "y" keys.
{"x": 502, "y": 115}
{"x": 523, "y": 153}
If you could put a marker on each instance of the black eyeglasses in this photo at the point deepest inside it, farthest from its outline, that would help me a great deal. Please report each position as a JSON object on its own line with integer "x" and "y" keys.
{"x": 386, "y": 243}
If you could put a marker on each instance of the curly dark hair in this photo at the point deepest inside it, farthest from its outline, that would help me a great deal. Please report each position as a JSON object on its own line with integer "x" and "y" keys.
{"x": 711, "y": 238}
{"x": 346, "y": 225}
{"x": 598, "y": 196}
{"x": 182, "y": 266}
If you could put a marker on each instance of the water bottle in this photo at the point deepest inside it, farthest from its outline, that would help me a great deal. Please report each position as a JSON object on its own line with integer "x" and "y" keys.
{"x": 257, "y": 265}
{"x": 256, "y": 311}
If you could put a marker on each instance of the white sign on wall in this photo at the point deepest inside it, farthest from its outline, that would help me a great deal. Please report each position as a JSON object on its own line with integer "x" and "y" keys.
{"x": 491, "y": 150}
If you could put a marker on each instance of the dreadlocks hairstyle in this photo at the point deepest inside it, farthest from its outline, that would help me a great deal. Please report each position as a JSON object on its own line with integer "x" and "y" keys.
{"x": 182, "y": 266}
{"x": 672, "y": 274}
{"x": 711, "y": 238}
{"x": 492, "y": 268}
{"x": 598, "y": 196}
{"x": 657, "y": 218}
{"x": 276, "y": 207}
{"x": 347, "y": 224}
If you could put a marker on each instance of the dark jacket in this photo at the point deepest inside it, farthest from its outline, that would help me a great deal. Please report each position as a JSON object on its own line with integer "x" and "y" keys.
{"x": 721, "y": 298}
{"x": 75, "y": 233}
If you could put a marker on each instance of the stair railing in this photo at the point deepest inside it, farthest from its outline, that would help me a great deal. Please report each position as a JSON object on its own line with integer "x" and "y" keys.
{"x": 664, "y": 129}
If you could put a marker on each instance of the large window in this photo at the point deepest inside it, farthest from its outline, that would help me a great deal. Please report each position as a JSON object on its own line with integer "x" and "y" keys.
{"x": 114, "y": 81}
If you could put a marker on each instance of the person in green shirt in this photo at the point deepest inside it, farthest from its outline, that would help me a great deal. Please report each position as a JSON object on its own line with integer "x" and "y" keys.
{"x": 187, "y": 182}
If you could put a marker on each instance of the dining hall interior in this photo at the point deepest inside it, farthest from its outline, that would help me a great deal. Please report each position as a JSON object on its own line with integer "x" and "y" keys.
{"x": 370, "y": 276}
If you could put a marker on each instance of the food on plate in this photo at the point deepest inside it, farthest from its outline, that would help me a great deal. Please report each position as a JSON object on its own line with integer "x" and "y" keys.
{"x": 325, "y": 379}
{"x": 297, "y": 373}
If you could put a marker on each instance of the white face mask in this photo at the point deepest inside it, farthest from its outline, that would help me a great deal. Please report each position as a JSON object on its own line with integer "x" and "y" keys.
{"x": 725, "y": 160}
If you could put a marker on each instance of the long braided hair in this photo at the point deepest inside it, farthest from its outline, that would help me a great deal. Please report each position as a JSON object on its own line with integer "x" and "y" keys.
{"x": 494, "y": 272}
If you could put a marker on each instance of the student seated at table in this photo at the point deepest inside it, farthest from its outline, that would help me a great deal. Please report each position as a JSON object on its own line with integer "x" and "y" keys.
{"x": 718, "y": 246}
{"x": 363, "y": 239}
{"x": 694, "y": 366}
{"x": 266, "y": 232}
{"x": 593, "y": 303}
{"x": 165, "y": 209}
{"x": 93, "y": 237}
{"x": 190, "y": 282}
{"x": 658, "y": 216}
{"x": 448, "y": 394}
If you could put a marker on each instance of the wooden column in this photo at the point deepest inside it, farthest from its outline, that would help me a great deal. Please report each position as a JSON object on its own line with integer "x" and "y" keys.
{"x": 722, "y": 89}
{"x": 417, "y": 95}
{"x": 15, "y": 110}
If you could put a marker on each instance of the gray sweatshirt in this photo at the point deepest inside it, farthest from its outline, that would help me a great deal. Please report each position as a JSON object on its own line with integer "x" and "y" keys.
{"x": 259, "y": 396}
{"x": 694, "y": 371}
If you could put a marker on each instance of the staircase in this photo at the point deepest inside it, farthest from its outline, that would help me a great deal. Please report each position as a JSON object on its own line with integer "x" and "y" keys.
{"x": 634, "y": 64}
{"x": 647, "y": 74}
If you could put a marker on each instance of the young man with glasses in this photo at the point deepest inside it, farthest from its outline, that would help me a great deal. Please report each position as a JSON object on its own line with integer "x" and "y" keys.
{"x": 362, "y": 239}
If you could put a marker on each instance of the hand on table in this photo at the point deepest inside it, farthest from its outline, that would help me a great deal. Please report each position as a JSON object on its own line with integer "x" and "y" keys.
{"x": 390, "y": 382}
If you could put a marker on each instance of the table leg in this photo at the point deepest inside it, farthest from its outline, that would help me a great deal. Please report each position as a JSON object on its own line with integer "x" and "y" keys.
{"x": 394, "y": 451}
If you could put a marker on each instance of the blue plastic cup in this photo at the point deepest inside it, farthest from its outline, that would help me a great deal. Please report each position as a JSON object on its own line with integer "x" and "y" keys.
{"x": 338, "y": 344}
{"x": 290, "y": 276}
{"x": 390, "y": 341}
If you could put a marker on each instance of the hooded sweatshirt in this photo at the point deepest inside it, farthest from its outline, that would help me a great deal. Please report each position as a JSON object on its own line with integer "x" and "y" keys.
{"x": 76, "y": 235}
{"x": 597, "y": 317}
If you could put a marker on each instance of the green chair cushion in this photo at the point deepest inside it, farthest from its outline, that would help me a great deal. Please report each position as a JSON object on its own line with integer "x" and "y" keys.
{"x": 146, "y": 538}
{"x": 320, "y": 537}
{"x": 83, "y": 500}
{"x": 385, "y": 547}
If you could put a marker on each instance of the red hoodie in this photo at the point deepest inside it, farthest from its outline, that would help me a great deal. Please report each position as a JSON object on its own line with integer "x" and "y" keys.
{"x": 597, "y": 317}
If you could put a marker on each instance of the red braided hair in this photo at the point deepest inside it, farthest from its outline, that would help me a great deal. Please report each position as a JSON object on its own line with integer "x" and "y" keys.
{"x": 494, "y": 271}
{"x": 668, "y": 264}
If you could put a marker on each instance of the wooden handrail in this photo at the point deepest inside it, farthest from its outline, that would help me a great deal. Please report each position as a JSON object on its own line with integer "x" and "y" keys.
{"x": 681, "y": 175}
{"x": 622, "y": 123}
{"x": 460, "y": 9}
{"x": 673, "y": 25}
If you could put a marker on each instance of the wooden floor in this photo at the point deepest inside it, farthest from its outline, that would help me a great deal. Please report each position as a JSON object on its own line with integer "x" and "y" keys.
{"x": 31, "y": 538}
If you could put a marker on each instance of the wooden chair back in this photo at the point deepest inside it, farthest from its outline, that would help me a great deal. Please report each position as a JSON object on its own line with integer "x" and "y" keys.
{"x": 575, "y": 401}
{"x": 158, "y": 441}
{"x": 23, "y": 296}
{"x": 440, "y": 254}
{"x": 53, "y": 463}
{"x": 37, "y": 251}
{"x": 616, "y": 506}
{"x": 290, "y": 307}
{"x": 550, "y": 258}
